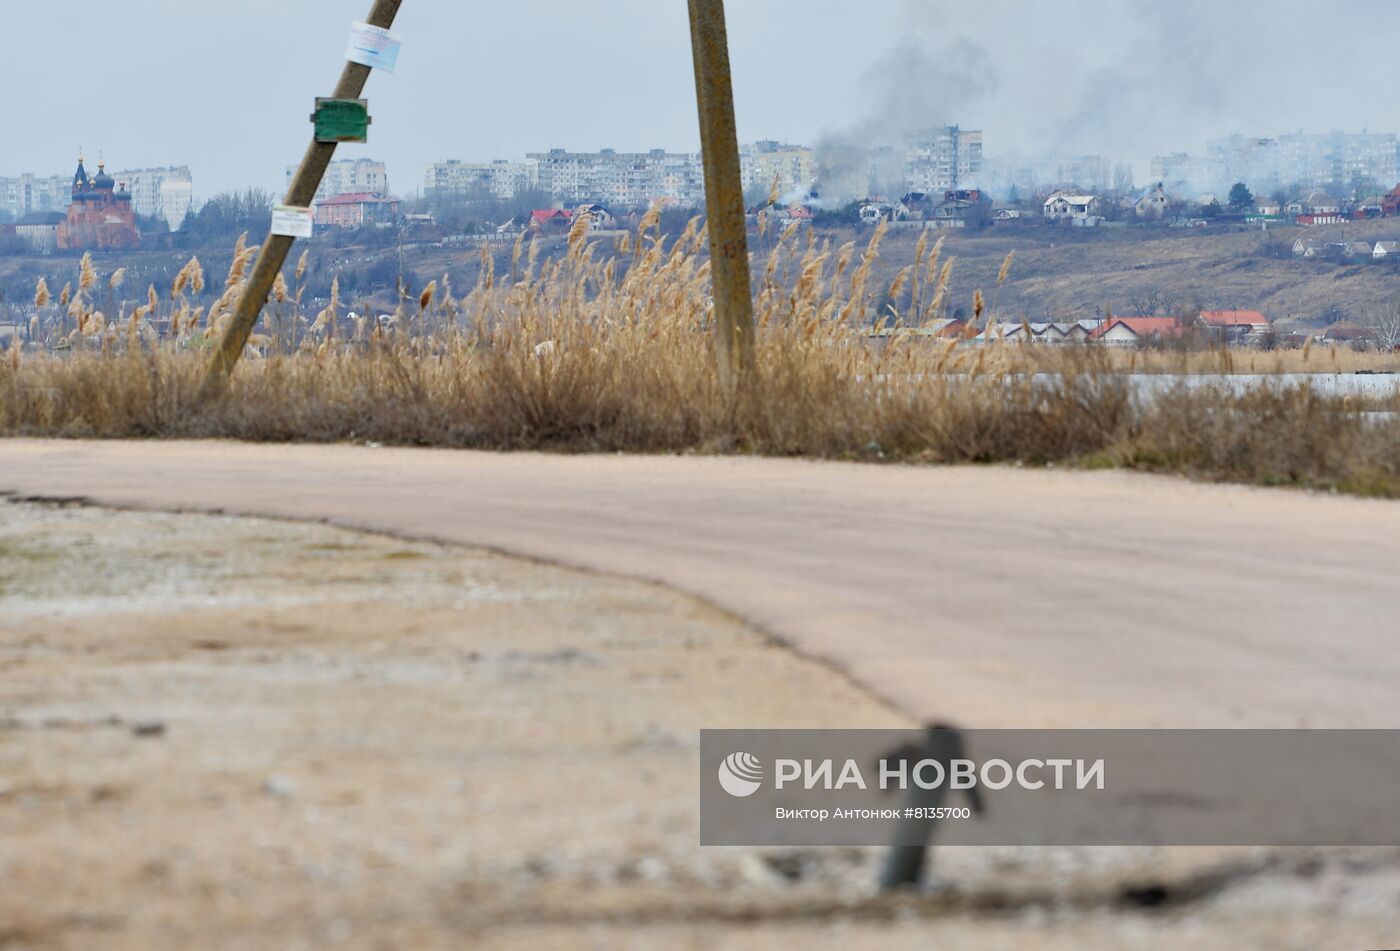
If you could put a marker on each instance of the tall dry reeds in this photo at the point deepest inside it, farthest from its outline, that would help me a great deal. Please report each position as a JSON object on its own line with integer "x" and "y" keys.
{"x": 610, "y": 348}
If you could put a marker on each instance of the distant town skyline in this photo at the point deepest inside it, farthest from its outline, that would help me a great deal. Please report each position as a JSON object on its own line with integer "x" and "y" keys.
{"x": 226, "y": 91}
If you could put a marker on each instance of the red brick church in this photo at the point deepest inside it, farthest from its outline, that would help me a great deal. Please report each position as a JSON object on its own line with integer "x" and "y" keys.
{"x": 100, "y": 217}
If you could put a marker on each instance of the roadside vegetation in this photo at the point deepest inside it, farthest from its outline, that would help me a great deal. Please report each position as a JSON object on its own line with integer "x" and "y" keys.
{"x": 608, "y": 348}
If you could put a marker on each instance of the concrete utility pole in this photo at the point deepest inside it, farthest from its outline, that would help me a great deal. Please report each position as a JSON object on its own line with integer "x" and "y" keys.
{"x": 724, "y": 193}
{"x": 273, "y": 253}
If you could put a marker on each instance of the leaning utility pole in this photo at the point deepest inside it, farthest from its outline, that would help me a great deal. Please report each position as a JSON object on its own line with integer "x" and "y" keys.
{"x": 273, "y": 253}
{"x": 724, "y": 194}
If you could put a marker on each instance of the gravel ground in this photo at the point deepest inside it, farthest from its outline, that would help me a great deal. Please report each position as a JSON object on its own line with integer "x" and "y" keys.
{"x": 241, "y": 733}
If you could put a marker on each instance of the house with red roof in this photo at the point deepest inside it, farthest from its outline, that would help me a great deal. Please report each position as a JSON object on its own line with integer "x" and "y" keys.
{"x": 1235, "y": 324}
{"x": 1131, "y": 331}
{"x": 1390, "y": 205}
{"x": 550, "y": 220}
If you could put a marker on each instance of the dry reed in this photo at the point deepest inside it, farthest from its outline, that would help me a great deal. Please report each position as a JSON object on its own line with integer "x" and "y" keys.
{"x": 590, "y": 352}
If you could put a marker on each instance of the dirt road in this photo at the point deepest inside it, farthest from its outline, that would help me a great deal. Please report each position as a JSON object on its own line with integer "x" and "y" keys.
{"x": 986, "y": 596}
{"x": 234, "y": 732}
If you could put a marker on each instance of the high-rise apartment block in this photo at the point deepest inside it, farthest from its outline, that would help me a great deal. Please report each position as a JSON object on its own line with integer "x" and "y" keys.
{"x": 942, "y": 159}
{"x": 1340, "y": 161}
{"x": 27, "y": 194}
{"x": 793, "y": 167}
{"x": 166, "y": 193}
{"x": 499, "y": 179}
{"x": 350, "y": 176}
{"x": 621, "y": 179}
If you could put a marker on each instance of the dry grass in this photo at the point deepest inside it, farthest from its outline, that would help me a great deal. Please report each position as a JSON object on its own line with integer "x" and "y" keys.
{"x": 586, "y": 354}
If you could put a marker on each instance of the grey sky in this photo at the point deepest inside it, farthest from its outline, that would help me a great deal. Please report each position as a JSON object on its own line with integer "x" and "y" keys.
{"x": 227, "y": 88}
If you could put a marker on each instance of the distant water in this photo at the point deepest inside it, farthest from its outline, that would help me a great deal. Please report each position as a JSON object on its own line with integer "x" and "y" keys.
{"x": 1152, "y": 384}
{"x": 1331, "y": 384}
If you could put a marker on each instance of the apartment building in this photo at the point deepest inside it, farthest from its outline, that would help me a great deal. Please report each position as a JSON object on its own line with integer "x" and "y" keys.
{"x": 793, "y": 166}
{"x": 166, "y": 193}
{"x": 1338, "y": 160}
{"x": 942, "y": 159}
{"x": 499, "y": 179}
{"x": 29, "y": 194}
{"x": 621, "y": 179}
{"x": 1175, "y": 171}
{"x": 349, "y": 176}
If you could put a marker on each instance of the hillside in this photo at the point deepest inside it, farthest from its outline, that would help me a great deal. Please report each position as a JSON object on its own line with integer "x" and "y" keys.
{"x": 1058, "y": 273}
{"x": 1065, "y": 274}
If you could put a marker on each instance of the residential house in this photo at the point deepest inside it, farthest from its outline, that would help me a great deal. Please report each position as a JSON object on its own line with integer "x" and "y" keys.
{"x": 1043, "y": 332}
{"x": 780, "y": 216}
{"x": 599, "y": 218}
{"x": 874, "y": 210}
{"x": 1333, "y": 250}
{"x": 1132, "y": 331}
{"x": 1348, "y": 333}
{"x": 1063, "y": 205}
{"x": 1390, "y": 205}
{"x": 550, "y": 220}
{"x": 962, "y": 207}
{"x": 1235, "y": 324}
{"x": 1081, "y": 330}
{"x": 945, "y": 328}
{"x": 1051, "y": 333}
{"x": 1315, "y": 202}
{"x": 1311, "y": 247}
{"x": 1012, "y": 331}
{"x": 918, "y": 206}
{"x": 1384, "y": 249}
{"x": 1154, "y": 204}
{"x": 1371, "y": 206}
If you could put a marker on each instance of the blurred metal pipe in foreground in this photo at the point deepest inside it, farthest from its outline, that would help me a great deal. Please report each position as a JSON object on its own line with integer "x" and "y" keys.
{"x": 906, "y": 864}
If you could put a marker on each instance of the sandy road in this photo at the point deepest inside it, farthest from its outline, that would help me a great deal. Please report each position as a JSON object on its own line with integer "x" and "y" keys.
{"x": 988, "y": 596}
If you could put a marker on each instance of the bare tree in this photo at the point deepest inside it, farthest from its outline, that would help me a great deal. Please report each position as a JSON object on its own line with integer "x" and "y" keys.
{"x": 1123, "y": 179}
{"x": 1383, "y": 320}
{"x": 1151, "y": 301}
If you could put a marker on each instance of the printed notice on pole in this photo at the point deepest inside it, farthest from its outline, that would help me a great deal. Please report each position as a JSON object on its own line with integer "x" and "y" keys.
{"x": 374, "y": 47}
{"x": 289, "y": 221}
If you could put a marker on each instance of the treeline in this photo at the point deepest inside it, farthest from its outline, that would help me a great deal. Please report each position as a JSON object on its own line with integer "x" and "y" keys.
{"x": 225, "y": 216}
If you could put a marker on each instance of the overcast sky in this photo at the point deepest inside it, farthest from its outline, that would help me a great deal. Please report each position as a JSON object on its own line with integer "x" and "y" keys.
{"x": 226, "y": 88}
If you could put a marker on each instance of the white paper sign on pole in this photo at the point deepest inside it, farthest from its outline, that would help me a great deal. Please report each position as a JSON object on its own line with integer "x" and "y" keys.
{"x": 374, "y": 47}
{"x": 289, "y": 221}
